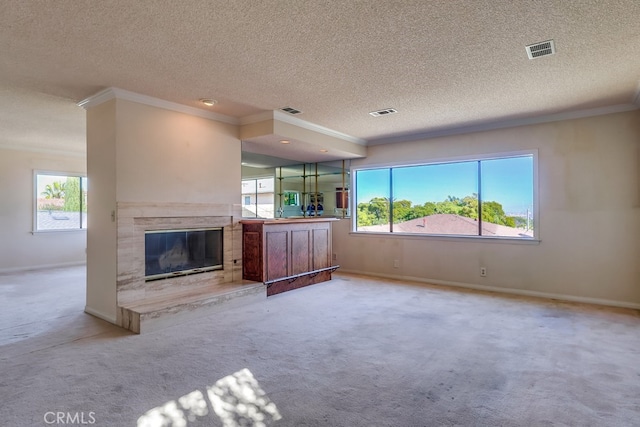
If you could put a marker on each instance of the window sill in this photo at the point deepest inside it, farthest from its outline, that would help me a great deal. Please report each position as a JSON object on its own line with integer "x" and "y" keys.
{"x": 449, "y": 238}
{"x": 61, "y": 230}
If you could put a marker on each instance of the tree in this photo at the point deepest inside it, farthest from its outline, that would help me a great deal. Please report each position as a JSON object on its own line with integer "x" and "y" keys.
{"x": 72, "y": 195}
{"x": 470, "y": 206}
{"x": 376, "y": 211}
{"x": 493, "y": 212}
{"x": 56, "y": 190}
{"x": 402, "y": 211}
{"x": 373, "y": 213}
{"x": 429, "y": 208}
{"x": 365, "y": 217}
{"x": 449, "y": 206}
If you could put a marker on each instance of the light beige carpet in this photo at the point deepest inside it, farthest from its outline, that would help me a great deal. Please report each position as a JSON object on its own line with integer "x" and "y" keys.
{"x": 355, "y": 351}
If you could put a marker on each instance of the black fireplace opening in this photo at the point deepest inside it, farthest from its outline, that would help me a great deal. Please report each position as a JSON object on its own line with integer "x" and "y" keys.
{"x": 170, "y": 253}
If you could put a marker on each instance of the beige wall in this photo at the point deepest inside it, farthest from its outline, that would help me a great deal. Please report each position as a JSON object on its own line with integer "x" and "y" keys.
{"x": 101, "y": 232}
{"x": 20, "y": 248}
{"x": 144, "y": 154}
{"x": 165, "y": 156}
{"x": 589, "y": 219}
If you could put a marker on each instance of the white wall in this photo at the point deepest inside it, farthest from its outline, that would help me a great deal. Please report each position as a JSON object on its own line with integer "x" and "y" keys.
{"x": 140, "y": 153}
{"x": 166, "y": 156}
{"x": 19, "y": 247}
{"x": 101, "y": 232}
{"x": 589, "y": 219}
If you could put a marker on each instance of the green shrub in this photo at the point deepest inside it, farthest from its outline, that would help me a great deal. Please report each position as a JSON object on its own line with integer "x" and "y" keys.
{"x": 72, "y": 195}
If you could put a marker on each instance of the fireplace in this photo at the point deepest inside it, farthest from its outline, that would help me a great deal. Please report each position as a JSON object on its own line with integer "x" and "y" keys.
{"x": 136, "y": 220}
{"x": 171, "y": 253}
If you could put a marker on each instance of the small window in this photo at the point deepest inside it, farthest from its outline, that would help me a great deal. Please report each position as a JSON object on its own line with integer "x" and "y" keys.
{"x": 60, "y": 201}
{"x": 291, "y": 198}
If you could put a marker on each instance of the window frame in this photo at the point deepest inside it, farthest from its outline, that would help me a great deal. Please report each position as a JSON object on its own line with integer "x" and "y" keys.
{"x": 296, "y": 196}
{"x": 448, "y": 160}
{"x": 256, "y": 194}
{"x": 35, "y": 194}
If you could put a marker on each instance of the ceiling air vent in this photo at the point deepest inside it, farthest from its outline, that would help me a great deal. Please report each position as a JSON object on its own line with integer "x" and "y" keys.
{"x": 541, "y": 49}
{"x": 291, "y": 110}
{"x": 384, "y": 112}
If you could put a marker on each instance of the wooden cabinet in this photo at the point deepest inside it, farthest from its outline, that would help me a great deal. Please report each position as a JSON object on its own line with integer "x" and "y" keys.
{"x": 288, "y": 253}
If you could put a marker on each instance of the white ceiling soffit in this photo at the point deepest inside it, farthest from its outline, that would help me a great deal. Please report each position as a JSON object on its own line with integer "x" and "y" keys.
{"x": 308, "y": 142}
{"x": 296, "y": 121}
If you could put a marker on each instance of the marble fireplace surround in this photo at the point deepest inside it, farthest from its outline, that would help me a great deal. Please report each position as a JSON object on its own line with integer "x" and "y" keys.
{"x": 134, "y": 219}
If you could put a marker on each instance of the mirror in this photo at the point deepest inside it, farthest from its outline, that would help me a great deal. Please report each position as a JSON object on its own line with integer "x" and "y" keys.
{"x": 278, "y": 188}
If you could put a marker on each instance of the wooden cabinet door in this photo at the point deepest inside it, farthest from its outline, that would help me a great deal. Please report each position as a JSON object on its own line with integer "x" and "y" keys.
{"x": 276, "y": 256}
{"x": 252, "y": 267}
{"x": 321, "y": 248}
{"x": 300, "y": 251}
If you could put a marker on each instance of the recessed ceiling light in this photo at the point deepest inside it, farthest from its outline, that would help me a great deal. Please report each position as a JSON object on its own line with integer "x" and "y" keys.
{"x": 284, "y": 141}
{"x": 209, "y": 102}
{"x": 324, "y": 150}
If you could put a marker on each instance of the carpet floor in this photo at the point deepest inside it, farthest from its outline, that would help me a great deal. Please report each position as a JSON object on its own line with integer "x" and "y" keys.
{"x": 354, "y": 351}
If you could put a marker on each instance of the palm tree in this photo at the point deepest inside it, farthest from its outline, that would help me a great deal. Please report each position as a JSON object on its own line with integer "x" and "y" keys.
{"x": 54, "y": 191}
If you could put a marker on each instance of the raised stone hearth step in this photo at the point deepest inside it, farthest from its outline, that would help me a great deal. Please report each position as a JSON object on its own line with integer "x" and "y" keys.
{"x": 170, "y": 310}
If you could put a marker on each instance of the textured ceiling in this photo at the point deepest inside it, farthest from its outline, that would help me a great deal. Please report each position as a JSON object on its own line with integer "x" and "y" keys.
{"x": 442, "y": 64}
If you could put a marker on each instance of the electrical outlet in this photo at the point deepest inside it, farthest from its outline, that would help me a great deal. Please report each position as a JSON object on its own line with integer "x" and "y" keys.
{"x": 396, "y": 263}
{"x": 483, "y": 271}
{"x": 334, "y": 257}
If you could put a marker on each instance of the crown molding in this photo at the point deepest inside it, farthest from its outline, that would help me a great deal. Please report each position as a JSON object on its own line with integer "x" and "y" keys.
{"x": 549, "y": 118}
{"x": 113, "y": 93}
{"x": 116, "y": 93}
{"x": 97, "y": 99}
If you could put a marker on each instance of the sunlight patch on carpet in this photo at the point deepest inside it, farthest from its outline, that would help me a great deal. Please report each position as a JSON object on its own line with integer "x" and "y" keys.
{"x": 239, "y": 401}
{"x": 236, "y": 399}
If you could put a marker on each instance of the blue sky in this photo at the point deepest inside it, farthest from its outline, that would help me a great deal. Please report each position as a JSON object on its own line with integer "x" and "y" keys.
{"x": 507, "y": 181}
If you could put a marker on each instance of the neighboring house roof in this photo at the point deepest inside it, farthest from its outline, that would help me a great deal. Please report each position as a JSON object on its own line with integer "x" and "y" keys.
{"x": 450, "y": 224}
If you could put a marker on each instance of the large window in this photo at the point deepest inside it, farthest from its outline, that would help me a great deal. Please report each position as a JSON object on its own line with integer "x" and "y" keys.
{"x": 258, "y": 198}
{"x": 60, "y": 201}
{"x": 491, "y": 197}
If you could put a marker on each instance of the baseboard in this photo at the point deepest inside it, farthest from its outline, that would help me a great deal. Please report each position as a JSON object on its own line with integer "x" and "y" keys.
{"x": 99, "y": 315}
{"x": 523, "y": 292}
{"x": 42, "y": 267}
